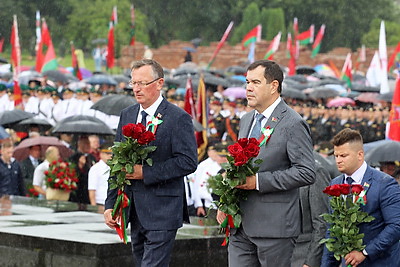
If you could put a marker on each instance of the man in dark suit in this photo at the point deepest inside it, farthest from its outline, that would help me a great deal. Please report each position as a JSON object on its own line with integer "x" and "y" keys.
{"x": 271, "y": 218}
{"x": 382, "y": 235}
{"x": 29, "y": 164}
{"x": 157, "y": 192}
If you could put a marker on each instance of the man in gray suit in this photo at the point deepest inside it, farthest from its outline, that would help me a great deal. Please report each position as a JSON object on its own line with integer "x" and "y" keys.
{"x": 271, "y": 218}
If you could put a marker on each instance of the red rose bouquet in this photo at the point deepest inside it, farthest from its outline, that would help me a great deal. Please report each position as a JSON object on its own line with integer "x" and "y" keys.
{"x": 345, "y": 217}
{"x": 241, "y": 163}
{"x": 134, "y": 150}
{"x": 61, "y": 175}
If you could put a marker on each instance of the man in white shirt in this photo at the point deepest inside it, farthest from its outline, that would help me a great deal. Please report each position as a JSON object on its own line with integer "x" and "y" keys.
{"x": 39, "y": 183}
{"x": 98, "y": 178}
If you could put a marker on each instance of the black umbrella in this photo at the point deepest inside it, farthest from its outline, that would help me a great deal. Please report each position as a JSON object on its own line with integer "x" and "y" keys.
{"x": 308, "y": 70}
{"x": 185, "y": 72}
{"x": 236, "y": 70}
{"x": 113, "y": 104}
{"x": 26, "y": 125}
{"x": 6, "y": 76}
{"x": 364, "y": 88}
{"x": 82, "y": 124}
{"x": 25, "y": 76}
{"x": 293, "y": 93}
{"x": 323, "y": 93}
{"x": 387, "y": 97}
{"x": 99, "y": 41}
{"x": 121, "y": 78}
{"x": 297, "y": 78}
{"x": 384, "y": 152}
{"x": 101, "y": 79}
{"x": 10, "y": 117}
{"x": 55, "y": 76}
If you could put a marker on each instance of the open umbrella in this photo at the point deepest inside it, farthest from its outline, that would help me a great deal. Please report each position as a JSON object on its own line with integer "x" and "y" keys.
{"x": 101, "y": 79}
{"x": 26, "y": 125}
{"x": 113, "y": 104}
{"x": 55, "y": 76}
{"x": 293, "y": 93}
{"x": 121, "y": 78}
{"x": 236, "y": 70}
{"x": 3, "y": 134}
{"x": 368, "y": 97}
{"x": 25, "y": 76}
{"x": 387, "y": 97}
{"x": 308, "y": 70}
{"x": 384, "y": 152}
{"x": 21, "y": 151}
{"x": 10, "y": 117}
{"x": 189, "y": 49}
{"x": 323, "y": 93}
{"x": 235, "y": 92}
{"x": 99, "y": 41}
{"x": 340, "y": 101}
{"x": 82, "y": 124}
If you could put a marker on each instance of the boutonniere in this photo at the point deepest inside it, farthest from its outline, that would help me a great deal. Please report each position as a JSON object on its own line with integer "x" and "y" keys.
{"x": 153, "y": 124}
{"x": 266, "y": 134}
{"x": 274, "y": 119}
{"x": 362, "y": 197}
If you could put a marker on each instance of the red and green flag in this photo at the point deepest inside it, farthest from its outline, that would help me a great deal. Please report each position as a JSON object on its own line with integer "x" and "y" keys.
{"x": 273, "y": 47}
{"x": 317, "y": 43}
{"x": 132, "y": 31}
{"x": 306, "y": 37}
{"x": 46, "y": 61}
{"x": 394, "y": 118}
{"x": 75, "y": 65}
{"x": 252, "y": 36}
{"x": 288, "y": 44}
{"x": 189, "y": 106}
{"x": 16, "y": 62}
{"x": 347, "y": 75}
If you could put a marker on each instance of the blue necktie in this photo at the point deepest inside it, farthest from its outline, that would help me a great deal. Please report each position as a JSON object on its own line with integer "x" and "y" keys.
{"x": 349, "y": 180}
{"x": 256, "y": 132}
{"x": 144, "y": 116}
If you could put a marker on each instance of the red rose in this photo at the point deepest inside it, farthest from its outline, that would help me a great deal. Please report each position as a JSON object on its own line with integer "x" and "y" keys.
{"x": 345, "y": 189}
{"x": 54, "y": 162}
{"x": 146, "y": 138}
{"x": 357, "y": 189}
{"x": 138, "y": 130}
{"x": 46, "y": 172}
{"x": 127, "y": 130}
{"x": 254, "y": 141}
{"x": 252, "y": 150}
{"x": 243, "y": 142}
{"x": 333, "y": 190}
{"x": 235, "y": 149}
{"x": 241, "y": 159}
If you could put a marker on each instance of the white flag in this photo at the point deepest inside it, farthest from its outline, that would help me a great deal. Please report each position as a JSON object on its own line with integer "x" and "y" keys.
{"x": 383, "y": 58}
{"x": 374, "y": 71}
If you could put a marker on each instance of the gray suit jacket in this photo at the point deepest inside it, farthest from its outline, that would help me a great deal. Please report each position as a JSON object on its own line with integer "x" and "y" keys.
{"x": 273, "y": 211}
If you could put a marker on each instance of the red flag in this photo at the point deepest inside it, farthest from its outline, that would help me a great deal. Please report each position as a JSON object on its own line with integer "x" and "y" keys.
{"x": 394, "y": 118}
{"x": 306, "y": 37}
{"x": 252, "y": 36}
{"x": 393, "y": 57}
{"x": 114, "y": 16}
{"x": 110, "y": 47}
{"x": 132, "y": 42}
{"x": 49, "y": 58}
{"x": 75, "y": 65}
{"x": 189, "y": 102}
{"x": 1, "y": 44}
{"x": 347, "y": 70}
{"x": 221, "y": 43}
{"x": 16, "y": 62}
{"x": 201, "y": 114}
{"x": 292, "y": 61}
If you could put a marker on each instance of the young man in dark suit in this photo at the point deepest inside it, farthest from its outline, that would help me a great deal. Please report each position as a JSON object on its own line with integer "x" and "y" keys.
{"x": 157, "y": 192}
{"x": 271, "y": 219}
{"x": 382, "y": 235}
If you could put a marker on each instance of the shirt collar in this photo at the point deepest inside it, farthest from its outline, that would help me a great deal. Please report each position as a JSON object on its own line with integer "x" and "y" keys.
{"x": 153, "y": 108}
{"x": 358, "y": 175}
{"x": 267, "y": 113}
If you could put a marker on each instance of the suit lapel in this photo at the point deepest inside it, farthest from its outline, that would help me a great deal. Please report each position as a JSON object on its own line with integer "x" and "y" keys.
{"x": 277, "y": 115}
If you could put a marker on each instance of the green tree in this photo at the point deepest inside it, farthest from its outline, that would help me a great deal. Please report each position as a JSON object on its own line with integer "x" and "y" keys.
{"x": 273, "y": 20}
{"x": 392, "y": 29}
{"x": 251, "y": 18}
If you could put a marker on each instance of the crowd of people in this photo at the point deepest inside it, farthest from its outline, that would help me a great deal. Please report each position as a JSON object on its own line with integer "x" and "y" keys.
{"x": 293, "y": 169}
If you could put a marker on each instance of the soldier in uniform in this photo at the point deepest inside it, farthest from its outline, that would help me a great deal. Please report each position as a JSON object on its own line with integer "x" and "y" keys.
{"x": 231, "y": 122}
{"x": 4, "y": 101}
{"x": 216, "y": 123}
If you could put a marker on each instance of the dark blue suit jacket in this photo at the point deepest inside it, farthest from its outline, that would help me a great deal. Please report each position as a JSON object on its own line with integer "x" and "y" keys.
{"x": 382, "y": 235}
{"x": 159, "y": 199}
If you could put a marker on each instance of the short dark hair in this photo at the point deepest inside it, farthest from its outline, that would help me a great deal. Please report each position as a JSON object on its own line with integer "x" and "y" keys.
{"x": 347, "y": 135}
{"x": 158, "y": 71}
{"x": 272, "y": 71}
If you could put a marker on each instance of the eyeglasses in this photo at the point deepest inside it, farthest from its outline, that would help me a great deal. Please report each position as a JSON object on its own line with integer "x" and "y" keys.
{"x": 142, "y": 84}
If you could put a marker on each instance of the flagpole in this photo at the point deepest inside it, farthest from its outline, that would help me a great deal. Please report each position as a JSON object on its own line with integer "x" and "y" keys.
{"x": 220, "y": 44}
{"x": 383, "y": 58}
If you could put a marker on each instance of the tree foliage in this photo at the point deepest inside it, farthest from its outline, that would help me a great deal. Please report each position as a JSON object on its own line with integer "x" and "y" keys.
{"x": 371, "y": 39}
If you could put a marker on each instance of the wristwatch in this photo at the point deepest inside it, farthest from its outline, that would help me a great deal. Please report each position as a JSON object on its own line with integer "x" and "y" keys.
{"x": 365, "y": 253}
